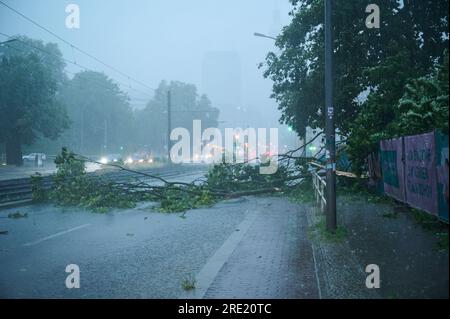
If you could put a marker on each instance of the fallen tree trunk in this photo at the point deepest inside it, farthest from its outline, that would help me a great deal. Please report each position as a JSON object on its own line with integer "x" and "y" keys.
{"x": 254, "y": 192}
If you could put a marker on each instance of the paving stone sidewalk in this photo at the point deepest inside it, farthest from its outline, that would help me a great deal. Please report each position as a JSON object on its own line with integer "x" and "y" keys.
{"x": 274, "y": 259}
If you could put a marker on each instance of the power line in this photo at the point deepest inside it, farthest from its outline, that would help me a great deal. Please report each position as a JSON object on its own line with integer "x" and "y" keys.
{"x": 99, "y": 84}
{"x": 96, "y": 84}
{"x": 75, "y": 47}
{"x": 65, "y": 60}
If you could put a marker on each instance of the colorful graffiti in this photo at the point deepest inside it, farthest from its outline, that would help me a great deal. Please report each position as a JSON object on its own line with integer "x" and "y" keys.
{"x": 420, "y": 172}
{"x": 391, "y": 154}
{"x": 442, "y": 173}
{"x": 415, "y": 171}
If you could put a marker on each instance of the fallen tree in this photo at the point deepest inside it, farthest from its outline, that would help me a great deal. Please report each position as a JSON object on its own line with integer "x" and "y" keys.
{"x": 74, "y": 187}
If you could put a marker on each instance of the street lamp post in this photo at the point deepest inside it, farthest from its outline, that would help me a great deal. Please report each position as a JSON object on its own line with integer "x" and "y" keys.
{"x": 8, "y": 41}
{"x": 329, "y": 119}
{"x": 257, "y": 34}
{"x": 105, "y": 136}
{"x": 329, "y": 122}
{"x": 169, "y": 124}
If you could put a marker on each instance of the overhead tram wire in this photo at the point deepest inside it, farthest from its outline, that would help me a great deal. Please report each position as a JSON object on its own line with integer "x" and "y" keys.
{"x": 95, "y": 84}
{"x": 75, "y": 47}
{"x": 67, "y": 61}
{"x": 124, "y": 86}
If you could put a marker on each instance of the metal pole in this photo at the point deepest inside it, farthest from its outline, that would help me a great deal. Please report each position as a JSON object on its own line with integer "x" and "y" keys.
{"x": 329, "y": 125}
{"x": 169, "y": 124}
{"x": 82, "y": 130}
{"x": 257, "y": 34}
{"x": 106, "y": 136}
{"x": 8, "y": 41}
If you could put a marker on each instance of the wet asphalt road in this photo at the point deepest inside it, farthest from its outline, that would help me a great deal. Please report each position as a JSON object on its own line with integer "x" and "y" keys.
{"x": 135, "y": 253}
{"x": 122, "y": 254}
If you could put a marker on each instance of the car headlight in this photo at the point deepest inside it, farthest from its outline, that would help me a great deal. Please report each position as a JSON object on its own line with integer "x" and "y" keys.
{"x": 129, "y": 160}
{"x": 150, "y": 160}
{"x": 104, "y": 160}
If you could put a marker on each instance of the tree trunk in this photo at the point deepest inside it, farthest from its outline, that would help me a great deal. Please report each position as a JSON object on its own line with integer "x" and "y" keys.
{"x": 13, "y": 152}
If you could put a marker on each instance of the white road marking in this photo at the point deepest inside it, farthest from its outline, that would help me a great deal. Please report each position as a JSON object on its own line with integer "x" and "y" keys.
{"x": 55, "y": 235}
{"x": 210, "y": 270}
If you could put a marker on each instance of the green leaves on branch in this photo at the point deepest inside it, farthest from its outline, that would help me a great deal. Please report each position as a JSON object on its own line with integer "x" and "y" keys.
{"x": 73, "y": 187}
{"x": 422, "y": 107}
{"x": 371, "y": 66}
{"x": 178, "y": 200}
{"x": 228, "y": 178}
{"x": 30, "y": 107}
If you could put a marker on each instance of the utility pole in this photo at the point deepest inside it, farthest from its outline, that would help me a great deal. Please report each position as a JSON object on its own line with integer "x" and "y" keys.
{"x": 106, "y": 136}
{"x": 81, "y": 130}
{"x": 329, "y": 124}
{"x": 169, "y": 124}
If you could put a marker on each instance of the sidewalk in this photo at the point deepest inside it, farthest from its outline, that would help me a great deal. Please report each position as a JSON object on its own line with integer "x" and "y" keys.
{"x": 410, "y": 249}
{"x": 280, "y": 251}
{"x": 268, "y": 256}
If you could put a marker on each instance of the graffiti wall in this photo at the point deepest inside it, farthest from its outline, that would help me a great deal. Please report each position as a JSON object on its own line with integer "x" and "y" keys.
{"x": 391, "y": 155}
{"x": 420, "y": 172}
{"x": 442, "y": 173}
{"x": 415, "y": 171}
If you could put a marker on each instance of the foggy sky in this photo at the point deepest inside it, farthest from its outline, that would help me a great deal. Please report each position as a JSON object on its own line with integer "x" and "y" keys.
{"x": 152, "y": 40}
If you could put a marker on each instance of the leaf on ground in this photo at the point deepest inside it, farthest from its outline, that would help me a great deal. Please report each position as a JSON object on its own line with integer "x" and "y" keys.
{"x": 17, "y": 215}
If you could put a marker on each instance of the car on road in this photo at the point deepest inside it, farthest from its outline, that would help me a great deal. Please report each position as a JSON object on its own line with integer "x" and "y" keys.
{"x": 32, "y": 157}
{"x": 111, "y": 158}
{"x": 139, "y": 157}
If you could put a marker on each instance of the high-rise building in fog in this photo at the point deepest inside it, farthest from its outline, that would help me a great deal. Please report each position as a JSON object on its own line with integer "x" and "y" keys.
{"x": 276, "y": 25}
{"x": 222, "y": 82}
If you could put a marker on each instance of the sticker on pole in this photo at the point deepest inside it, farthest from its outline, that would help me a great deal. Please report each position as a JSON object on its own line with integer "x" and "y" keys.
{"x": 330, "y": 111}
